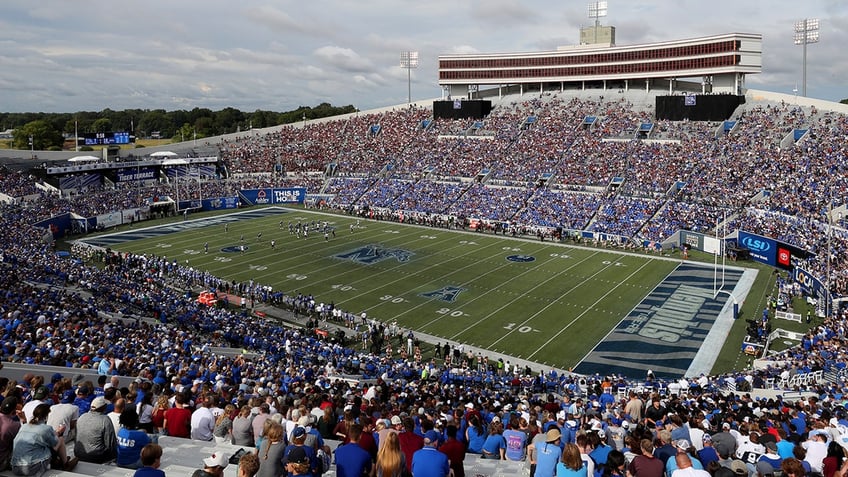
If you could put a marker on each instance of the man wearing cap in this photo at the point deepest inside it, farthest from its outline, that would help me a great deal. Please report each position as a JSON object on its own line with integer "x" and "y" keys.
{"x": 724, "y": 442}
{"x": 816, "y": 448}
{"x": 64, "y": 415}
{"x": 707, "y": 453}
{"x": 38, "y": 397}
{"x": 96, "y": 439}
{"x": 682, "y": 446}
{"x": 9, "y": 427}
{"x": 771, "y": 456}
{"x": 213, "y": 466}
{"x": 297, "y": 461}
{"x": 545, "y": 455}
{"x": 428, "y": 461}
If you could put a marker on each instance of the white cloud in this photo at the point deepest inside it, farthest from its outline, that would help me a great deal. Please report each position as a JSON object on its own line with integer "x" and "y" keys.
{"x": 61, "y": 56}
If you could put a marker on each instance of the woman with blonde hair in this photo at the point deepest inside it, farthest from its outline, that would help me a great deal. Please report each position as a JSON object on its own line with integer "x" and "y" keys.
{"x": 390, "y": 460}
{"x": 570, "y": 463}
{"x": 157, "y": 417}
{"x": 271, "y": 451}
{"x": 223, "y": 431}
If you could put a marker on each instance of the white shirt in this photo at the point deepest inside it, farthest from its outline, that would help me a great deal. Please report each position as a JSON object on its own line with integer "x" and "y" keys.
{"x": 202, "y": 424}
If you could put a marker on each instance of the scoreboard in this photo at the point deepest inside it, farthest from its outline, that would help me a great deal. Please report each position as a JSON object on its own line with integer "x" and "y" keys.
{"x": 106, "y": 138}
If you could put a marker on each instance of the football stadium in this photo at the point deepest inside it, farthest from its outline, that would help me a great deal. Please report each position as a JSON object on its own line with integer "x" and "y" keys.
{"x": 594, "y": 245}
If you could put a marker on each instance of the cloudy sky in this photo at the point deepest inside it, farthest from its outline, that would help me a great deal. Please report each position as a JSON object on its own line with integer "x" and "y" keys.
{"x": 65, "y": 56}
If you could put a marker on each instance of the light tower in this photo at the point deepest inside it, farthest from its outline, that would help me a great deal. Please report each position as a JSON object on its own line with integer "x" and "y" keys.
{"x": 409, "y": 61}
{"x": 596, "y": 11}
{"x": 806, "y": 31}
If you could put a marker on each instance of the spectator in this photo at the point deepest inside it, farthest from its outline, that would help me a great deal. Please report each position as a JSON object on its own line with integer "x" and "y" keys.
{"x": 131, "y": 440}
{"x": 35, "y": 444}
{"x": 570, "y": 464}
{"x": 177, "y": 421}
{"x": 351, "y": 459}
{"x": 96, "y": 439}
{"x": 9, "y": 427}
{"x": 213, "y": 466}
{"x": 428, "y": 461}
{"x": 151, "y": 457}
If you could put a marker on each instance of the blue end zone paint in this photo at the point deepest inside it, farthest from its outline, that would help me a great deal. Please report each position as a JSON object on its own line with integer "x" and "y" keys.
{"x": 666, "y": 330}
{"x": 521, "y": 258}
{"x": 161, "y": 230}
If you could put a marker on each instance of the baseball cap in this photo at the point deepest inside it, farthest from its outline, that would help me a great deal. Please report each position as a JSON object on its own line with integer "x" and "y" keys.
{"x": 739, "y": 467}
{"x": 9, "y": 405}
{"x": 99, "y": 402}
{"x": 218, "y": 459}
{"x": 431, "y": 437}
{"x": 68, "y": 396}
{"x": 682, "y": 444}
{"x": 40, "y": 393}
{"x": 469, "y": 405}
{"x": 764, "y": 468}
{"x": 771, "y": 446}
{"x": 297, "y": 456}
{"x": 396, "y": 420}
{"x": 298, "y": 431}
{"x": 552, "y": 435}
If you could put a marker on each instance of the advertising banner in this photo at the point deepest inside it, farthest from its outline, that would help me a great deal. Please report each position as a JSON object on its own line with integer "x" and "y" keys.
{"x": 294, "y": 195}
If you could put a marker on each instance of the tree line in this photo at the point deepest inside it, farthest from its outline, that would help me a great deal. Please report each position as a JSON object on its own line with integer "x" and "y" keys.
{"x": 47, "y": 131}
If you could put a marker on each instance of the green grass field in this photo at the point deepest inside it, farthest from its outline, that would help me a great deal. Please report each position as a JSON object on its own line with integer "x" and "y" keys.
{"x": 551, "y": 310}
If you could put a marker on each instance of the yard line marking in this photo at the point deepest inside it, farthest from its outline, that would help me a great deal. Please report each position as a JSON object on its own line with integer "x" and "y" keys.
{"x": 584, "y": 312}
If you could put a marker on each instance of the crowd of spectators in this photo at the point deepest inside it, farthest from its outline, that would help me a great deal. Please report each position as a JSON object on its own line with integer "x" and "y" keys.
{"x": 54, "y": 310}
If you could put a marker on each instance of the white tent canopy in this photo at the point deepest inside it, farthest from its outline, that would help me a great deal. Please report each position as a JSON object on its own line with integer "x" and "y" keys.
{"x": 163, "y": 154}
{"x": 84, "y": 159}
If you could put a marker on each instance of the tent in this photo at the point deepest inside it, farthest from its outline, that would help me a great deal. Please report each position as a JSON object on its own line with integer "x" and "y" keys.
{"x": 84, "y": 159}
{"x": 163, "y": 154}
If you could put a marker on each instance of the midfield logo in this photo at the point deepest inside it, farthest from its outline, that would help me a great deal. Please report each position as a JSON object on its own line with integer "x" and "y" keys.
{"x": 447, "y": 294}
{"x": 370, "y": 254}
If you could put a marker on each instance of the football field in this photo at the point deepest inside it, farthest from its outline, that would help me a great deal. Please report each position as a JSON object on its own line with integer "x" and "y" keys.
{"x": 544, "y": 302}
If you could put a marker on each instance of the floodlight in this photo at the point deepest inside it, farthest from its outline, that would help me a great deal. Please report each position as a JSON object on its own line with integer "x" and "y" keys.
{"x": 409, "y": 61}
{"x": 806, "y": 32}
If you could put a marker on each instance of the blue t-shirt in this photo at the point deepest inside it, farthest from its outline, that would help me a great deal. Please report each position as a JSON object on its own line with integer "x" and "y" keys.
{"x": 130, "y": 443}
{"x": 493, "y": 445}
{"x": 352, "y": 460}
{"x": 563, "y": 471}
{"x": 476, "y": 440}
{"x": 547, "y": 457}
{"x": 149, "y": 472}
{"x": 429, "y": 462}
{"x": 515, "y": 444}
